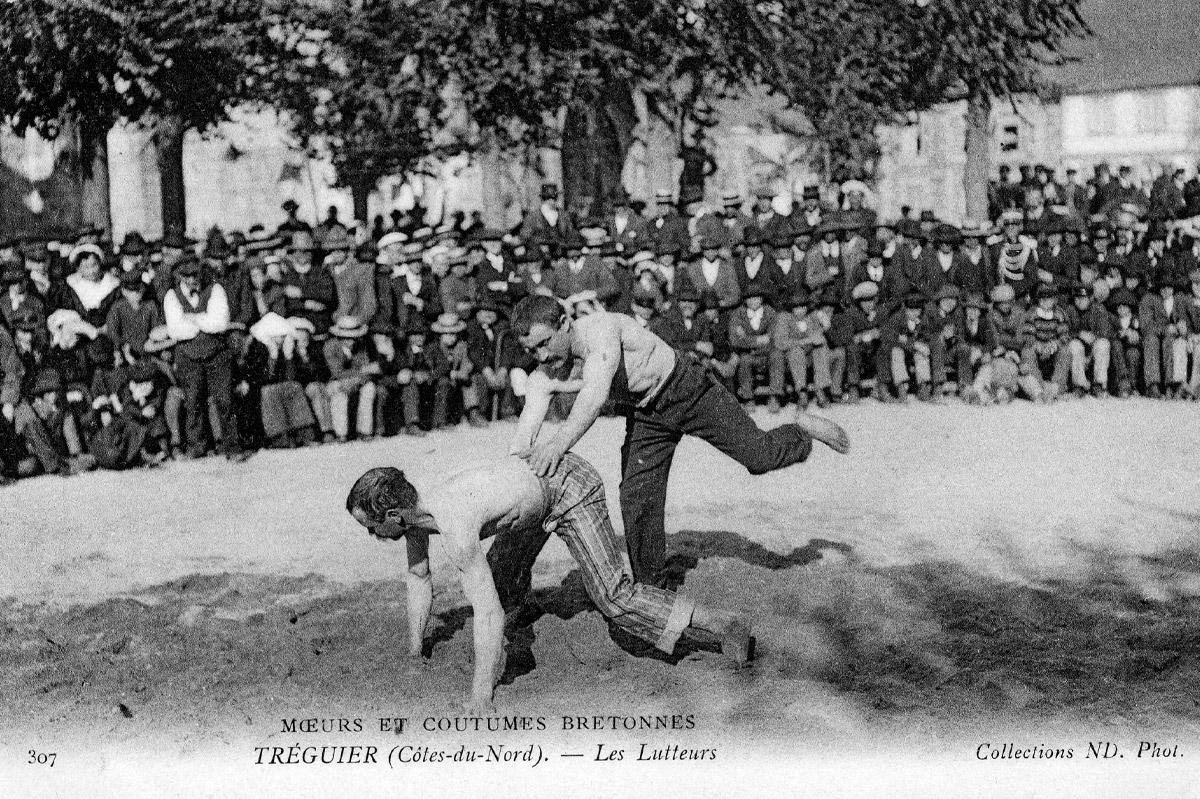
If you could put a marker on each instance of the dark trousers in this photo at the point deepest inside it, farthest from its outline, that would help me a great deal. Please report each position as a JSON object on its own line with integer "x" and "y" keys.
{"x": 203, "y": 381}
{"x": 696, "y": 404}
{"x": 693, "y": 402}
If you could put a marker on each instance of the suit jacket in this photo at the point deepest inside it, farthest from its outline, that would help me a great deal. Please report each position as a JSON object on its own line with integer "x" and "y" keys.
{"x": 634, "y": 236}
{"x": 672, "y": 228}
{"x": 820, "y": 270}
{"x": 787, "y": 283}
{"x": 536, "y": 231}
{"x": 791, "y": 332}
{"x": 970, "y": 276}
{"x": 742, "y": 333}
{"x": 764, "y": 274}
{"x": 594, "y": 274}
{"x": 725, "y": 290}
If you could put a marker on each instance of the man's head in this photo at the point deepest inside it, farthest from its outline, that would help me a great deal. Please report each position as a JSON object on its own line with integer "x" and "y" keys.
{"x": 378, "y": 500}
{"x": 543, "y": 328}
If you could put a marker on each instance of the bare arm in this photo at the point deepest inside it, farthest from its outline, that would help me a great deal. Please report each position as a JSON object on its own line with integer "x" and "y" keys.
{"x": 599, "y": 367}
{"x": 476, "y": 577}
{"x": 537, "y": 403}
{"x": 419, "y": 590}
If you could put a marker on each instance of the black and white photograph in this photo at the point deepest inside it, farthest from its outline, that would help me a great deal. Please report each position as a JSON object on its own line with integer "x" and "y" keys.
{"x": 558, "y": 398}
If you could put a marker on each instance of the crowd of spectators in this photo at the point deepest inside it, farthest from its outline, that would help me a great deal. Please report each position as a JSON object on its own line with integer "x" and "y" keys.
{"x": 116, "y": 356}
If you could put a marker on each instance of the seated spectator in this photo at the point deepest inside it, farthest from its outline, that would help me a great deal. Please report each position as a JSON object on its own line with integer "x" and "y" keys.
{"x": 800, "y": 337}
{"x": 1046, "y": 355}
{"x": 352, "y": 374}
{"x": 287, "y": 418}
{"x": 1092, "y": 330}
{"x": 25, "y": 444}
{"x": 493, "y": 352}
{"x": 158, "y": 352}
{"x": 1192, "y": 323}
{"x": 451, "y": 371}
{"x": 137, "y": 434}
{"x": 839, "y": 334}
{"x": 977, "y": 342}
{"x": 750, "y": 329}
{"x": 1164, "y": 341}
{"x": 945, "y": 347}
{"x": 312, "y": 373}
{"x": 17, "y": 302}
{"x": 415, "y": 376}
{"x": 90, "y": 289}
{"x": 866, "y": 358}
{"x": 905, "y": 337}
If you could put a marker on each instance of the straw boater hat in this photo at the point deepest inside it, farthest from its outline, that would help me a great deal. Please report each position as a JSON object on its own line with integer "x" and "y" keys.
{"x": 348, "y": 327}
{"x": 448, "y": 323}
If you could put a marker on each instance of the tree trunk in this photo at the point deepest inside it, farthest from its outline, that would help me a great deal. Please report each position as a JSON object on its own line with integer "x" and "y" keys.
{"x": 360, "y": 191}
{"x": 169, "y": 143}
{"x": 596, "y": 140}
{"x": 95, "y": 205}
{"x": 977, "y": 169}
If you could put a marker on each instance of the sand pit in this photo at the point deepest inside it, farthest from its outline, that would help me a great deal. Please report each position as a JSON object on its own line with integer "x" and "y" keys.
{"x": 963, "y": 575}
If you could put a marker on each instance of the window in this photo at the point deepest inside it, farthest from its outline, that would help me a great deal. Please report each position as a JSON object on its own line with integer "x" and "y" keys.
{"x": 1010, "y": 139}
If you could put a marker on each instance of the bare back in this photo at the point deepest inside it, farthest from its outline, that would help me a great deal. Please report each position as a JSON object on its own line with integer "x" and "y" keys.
{"x": 484, "y": 499}
{"x": 648, "y": 360}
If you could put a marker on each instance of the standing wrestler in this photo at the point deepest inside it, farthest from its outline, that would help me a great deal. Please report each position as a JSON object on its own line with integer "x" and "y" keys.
{"x": 664, "y": 395}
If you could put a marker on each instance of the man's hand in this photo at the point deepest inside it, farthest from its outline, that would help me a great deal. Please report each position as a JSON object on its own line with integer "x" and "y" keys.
{"x": 543, "y": 458}
{"x": 293, "y": 292}
{"x": 314, "y": 305}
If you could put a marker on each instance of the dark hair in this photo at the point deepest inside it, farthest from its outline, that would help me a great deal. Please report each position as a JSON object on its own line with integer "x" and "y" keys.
{"x": 537, "y": 309}
{"x": 379, "y": 490}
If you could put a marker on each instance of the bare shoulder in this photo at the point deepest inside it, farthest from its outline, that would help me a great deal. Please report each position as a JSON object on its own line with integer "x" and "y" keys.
{"x": 480, "y": 493}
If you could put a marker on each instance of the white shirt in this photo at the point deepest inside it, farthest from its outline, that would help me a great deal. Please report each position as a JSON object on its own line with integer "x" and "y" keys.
{"x": 830, "y": 249}
{"x": 1169, "y": 304}
{"x": 184, "y": 326}
{"x": 756, "y": 317}
{"x": 945, "y": 259}
{"x": 550, "y": 214}
{"x": 710, "y": 270}
{"x": 753, "y": 265}
{"x": 785, "y": 265}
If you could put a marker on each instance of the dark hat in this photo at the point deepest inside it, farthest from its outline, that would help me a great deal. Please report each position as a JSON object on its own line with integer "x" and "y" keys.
{"x": 1122, "y": 296}
{"x": 798, "y": 226}
{"x": 133, "y": 244}
{"x": 1081, "y": 290}
{"x": 482, "y": 234}
{"x": 416, "y": 323}
{"x": 337, "y": 240}
{"x": 799, "y": 297}
{"x": 36, "y": 251}
{"x": 132, "y": 280}
{"x": 909, "y": 228}
{"x": 666, "y": 246}
{"x": 48, "y": 380}
{"x": 811, "y": 193}
{"x": 187, "y": 266}
{"x": 714, "y": 240}
{"x": 549, "y": 191}
{"x": 782, "y": 240}
{"x": 646, "y": 297}
{"x": 875, "y": 248}
{"x": 1045, "y": 290}
{"x": 215, "y": 246}
{"x": 289, "y": 205}
{"x": 948, "y": 292}
{"x": 488, "y": 302}
{"x": 752, "y": 236}
{"x": 691, "y": 194}
{"x": 828, "y": 296}
{"x": 947, "y": 234}
{"x": 366, "y": 252}
{"x": 976, "y": 300}
{"x": 914, "y": 300}
{"x": 175, "y": 239}
{"x": 13, "y": 272}
{"x": 756, "y": 288}
{"x": 928, "y": 216}
{"x": 687, "y": 292}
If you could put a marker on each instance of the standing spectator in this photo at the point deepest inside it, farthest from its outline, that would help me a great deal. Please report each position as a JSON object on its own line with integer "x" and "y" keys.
{"x": 416, "y": 375}
{"x": 537, "y": 276}
{"x": 584, "y": 272}
{"x": 197, "y": 317}
{"x": 823, "y": 262}
{"x": 495, "y": 271}
{"x": 973, "y": 271}
{"x": 945, "y": 317}
{"x": 628, "y": 230}
{"x": 353, "y": 278}
{"x": 1192, "y": 323}
{"x": 546, "y": 227}
{"x": 293, "y": 223}
{"x": 16, "y": 301}
{"x": 750, "y": 329}
{"x": 131, "y": 318}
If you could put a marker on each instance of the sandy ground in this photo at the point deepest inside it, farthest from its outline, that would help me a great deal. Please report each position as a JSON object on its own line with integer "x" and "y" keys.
{"x": 1024, "y": 574}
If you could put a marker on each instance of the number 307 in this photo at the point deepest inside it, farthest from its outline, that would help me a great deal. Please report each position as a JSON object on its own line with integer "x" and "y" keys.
{"x": 42, "y": 758}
